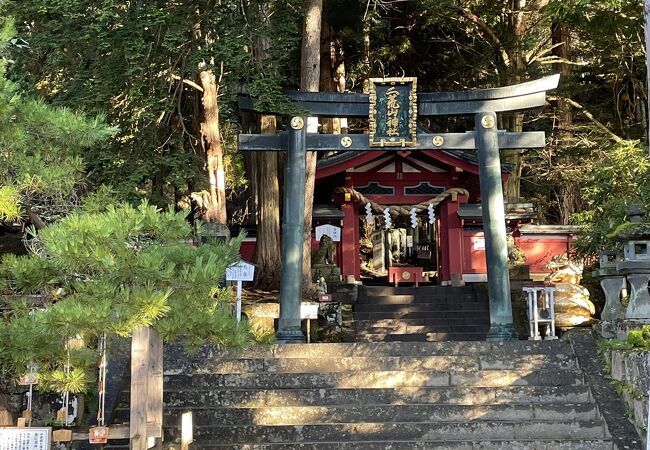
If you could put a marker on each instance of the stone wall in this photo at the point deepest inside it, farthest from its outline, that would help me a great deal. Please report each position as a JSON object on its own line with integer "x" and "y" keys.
{"x": 630, "y": 373}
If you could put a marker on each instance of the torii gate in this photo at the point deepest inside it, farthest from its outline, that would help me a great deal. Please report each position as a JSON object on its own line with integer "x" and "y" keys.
{"x": 393, "y": 126}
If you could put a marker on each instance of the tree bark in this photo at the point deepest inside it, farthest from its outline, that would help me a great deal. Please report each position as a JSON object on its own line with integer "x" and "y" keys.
{"x": 267, "y": 188}
{"x": 267, "y": 256}
{"x": 568, "y": 195}
{"x": 309, "y": 81}
{"x": 215, "y": 210}
{"x": 515, "y": 70}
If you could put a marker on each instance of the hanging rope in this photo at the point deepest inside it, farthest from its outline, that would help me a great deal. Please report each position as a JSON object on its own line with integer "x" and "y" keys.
{"x": 400, "y": 210}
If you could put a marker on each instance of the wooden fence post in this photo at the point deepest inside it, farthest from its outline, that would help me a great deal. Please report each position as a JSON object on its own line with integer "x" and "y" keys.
{"x": 146, "y": 388}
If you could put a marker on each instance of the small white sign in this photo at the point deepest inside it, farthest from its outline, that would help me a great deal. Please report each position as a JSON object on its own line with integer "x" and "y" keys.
{"x": 409, "y": 241}
{"x": 241, "y": 271}
{"x": 32, "y": 438}
{"x": 309, "y": 310}
{"x": 331, "y": 230}
{"x": 478, "y": 243}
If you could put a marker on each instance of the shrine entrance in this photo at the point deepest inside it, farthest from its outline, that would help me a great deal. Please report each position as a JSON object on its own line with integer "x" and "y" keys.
{"x": 393, "y": 107}
{"x": 438, "y": 184}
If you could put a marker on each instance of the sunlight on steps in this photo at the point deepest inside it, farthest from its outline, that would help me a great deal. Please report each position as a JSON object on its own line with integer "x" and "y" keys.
{"x": 402, "y": 395}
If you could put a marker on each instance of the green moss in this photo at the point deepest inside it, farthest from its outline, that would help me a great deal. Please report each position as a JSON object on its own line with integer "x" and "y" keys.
{"x": 637, "y": 341}
{"x": 631, "y": 230}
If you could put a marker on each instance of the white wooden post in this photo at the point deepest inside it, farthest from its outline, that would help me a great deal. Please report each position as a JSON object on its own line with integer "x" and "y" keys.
{"x": 239, "y": 288}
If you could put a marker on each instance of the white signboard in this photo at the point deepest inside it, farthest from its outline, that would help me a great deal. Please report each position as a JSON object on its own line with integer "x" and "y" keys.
{"x": 478, "y": 243}
{"x": 409, "y": 241}
{"x": 242, "y": 271}
{"x": 31, "y": 438}
{"x": 332, "y": 231}
{"x": 309, "y": 310}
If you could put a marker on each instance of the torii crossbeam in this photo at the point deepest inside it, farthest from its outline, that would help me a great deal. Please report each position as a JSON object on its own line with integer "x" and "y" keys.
{"x": 483, "y": 104}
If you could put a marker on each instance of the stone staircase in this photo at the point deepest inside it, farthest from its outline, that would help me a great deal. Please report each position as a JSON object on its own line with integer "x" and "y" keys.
{"x": 428, "y": 313}
{"x": 398, "y": 395}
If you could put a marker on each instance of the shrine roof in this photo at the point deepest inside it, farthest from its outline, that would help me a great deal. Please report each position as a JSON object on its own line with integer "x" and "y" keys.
{"x": 514, "y": 211}
{"x": 348, "y": 159}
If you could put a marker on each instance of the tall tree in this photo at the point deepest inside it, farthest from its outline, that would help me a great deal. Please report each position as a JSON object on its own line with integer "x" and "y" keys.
{"x": 267, "y": 187}
{"x": 309, "y": 82}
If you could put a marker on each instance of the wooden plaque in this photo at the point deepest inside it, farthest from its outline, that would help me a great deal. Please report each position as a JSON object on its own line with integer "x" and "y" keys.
{"x": 393, "y": 112}
{"x": 98, "y": 435}
{"x": 63, "y": 435}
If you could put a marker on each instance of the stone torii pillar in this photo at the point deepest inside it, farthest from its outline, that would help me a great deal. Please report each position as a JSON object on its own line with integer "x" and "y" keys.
{"x": 494, "y": 226}
{"x": 293, "y": 224}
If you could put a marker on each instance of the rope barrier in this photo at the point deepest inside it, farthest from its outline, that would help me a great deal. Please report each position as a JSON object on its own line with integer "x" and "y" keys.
{"x": 400, "y": 210}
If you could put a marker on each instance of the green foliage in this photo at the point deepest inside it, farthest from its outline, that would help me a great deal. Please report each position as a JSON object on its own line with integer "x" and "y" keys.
{"x": 138, "y": 63}
{"x": 9, "y": 203}
{"x": 39, "y": 145}
{"x": 112, "y": 272}
{"x": 620, "y": 177}
{"x": 637, "y": 340}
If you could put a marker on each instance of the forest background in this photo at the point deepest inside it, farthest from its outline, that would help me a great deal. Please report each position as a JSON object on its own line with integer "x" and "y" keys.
{"x": 166, "y": 74}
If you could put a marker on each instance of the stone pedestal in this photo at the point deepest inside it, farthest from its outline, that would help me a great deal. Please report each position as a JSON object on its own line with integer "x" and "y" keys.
{"x": 330, "y": 272}
{"x": 612, "y": 284}
{"x": 638, "y": 275}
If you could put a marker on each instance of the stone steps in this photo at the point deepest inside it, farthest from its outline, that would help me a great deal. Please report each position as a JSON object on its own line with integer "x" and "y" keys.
{"x": 420, "y": 337}
{"x": 446, "y": 316}
{"x": 416, "y": 326}
{"x": 576, "y": 444}
{"x": 385, "y": 314}
{"x": 256, "y": 398}
{"x": 431, "y": 307}
{"x": 379, "y": 379}
{"x": 396, "y": 431}
{"x": 416, "y": 299}
{"x": 205, "y": 356}
{"x": 400, "y": 395}
{"x": 441, "y": 291}
{"x": 383, "y": 363}
{"x": 350, "y": 413}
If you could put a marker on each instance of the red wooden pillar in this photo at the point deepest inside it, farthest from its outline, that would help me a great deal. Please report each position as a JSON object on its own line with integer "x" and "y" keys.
{"x": 452, "y": 235}
{"x": 350, "y": 241}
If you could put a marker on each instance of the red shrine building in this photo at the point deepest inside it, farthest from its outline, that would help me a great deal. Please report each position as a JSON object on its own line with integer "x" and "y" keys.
{"x": 450, "y": 248}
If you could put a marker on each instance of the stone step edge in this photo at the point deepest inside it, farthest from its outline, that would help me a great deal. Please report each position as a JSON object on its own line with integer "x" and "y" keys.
{"x": 405, "y": 349}
{"x": 596, "y": 422}
{"x": 376, "y": 426}
{"x": 421, "y": 444}
{"x": 379, "y": 405}
{"x": 543, "y": 359}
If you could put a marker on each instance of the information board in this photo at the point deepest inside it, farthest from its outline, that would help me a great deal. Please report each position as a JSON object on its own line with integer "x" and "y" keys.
{"x": 478, "y": 243}
{"x": 241, "y": 271}
{"x": 330, "y": 230}
{"x": 28, "y": 438}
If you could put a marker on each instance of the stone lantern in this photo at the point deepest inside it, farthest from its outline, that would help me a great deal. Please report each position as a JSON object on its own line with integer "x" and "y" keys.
{"x": 612, "y": 284}
{"x": 635, "y": 236}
